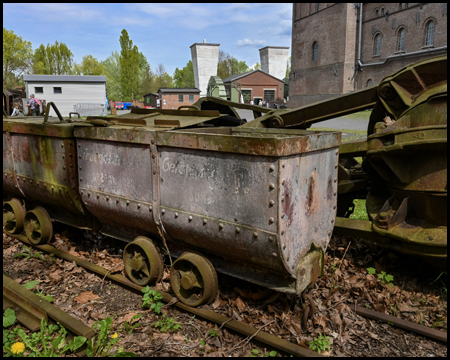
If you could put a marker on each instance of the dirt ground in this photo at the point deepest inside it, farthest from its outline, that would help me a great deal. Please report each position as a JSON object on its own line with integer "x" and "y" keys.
{"x": 416, "y": 295}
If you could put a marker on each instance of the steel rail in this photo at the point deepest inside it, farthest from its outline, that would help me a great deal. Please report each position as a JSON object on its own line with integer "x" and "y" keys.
{"x": 230, "y": 324}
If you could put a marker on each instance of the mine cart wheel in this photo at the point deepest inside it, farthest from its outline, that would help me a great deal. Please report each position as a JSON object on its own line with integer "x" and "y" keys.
{"x": 142, "y": 261}
{"x": 38, "y": 226}
{"x": 194, "y": 279}
{"x": 13, "y": 216}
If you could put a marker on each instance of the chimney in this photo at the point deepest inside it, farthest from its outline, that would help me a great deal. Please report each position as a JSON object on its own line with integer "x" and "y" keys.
{"x": 274, "y": 60}
{"x": 205, "y": 58}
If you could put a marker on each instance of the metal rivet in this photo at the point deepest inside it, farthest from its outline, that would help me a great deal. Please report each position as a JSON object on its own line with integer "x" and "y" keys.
{"x": 334, "y": 207}
{"x": 272, "y": 168}
{"x": 271, "y": 202}
{"x": 283, "y": 166}
{"x": 272, "y": 186}
{"x": 235, "y": 147}
{"x": 150, "y": 208}
{"x": 287, "y": 258}
{"x": 65, "y": 157}
{"x": 329, "y": 233}
{"x": 64, "y": 168}
{"x": 79, "y": 145}
{"x": 238, "y": 230}
{"x": 190, "y": 218}
{"x": 176, "y": 214}
{"x": 62, "y": 145}
{"x": 336, "y": 166}
{"x": 162, "y": 179}
{"x": 255, "y": 234}
{"x": 332, "y": 220}
{"x": 205, "y": 221}
{"x": 220, "y": 147}
{"x": 282, "y": 232}
{"x": 152, "y": 141}
{"x": 271, "y": 220}
{"x": 98, "y": 195}
{"x": 107, "y": 198}
{"x": 80, "y": 167}
{"x": 274, "y": 254}
{"x": 128, "y": 202}
{"x": 204, "y": 146}
{"x": 139, "y": 206}
{"x": 282, "y": 216}
{"x": 271, "y": 238}
{"x": 117, "y": 201}
{"x": 153, "y": 156}
{"x": 163, "y": 211}
{"x": 337, "y": 152}
{"x": 70, "y": 142}
{"x": 154, "y": 172}
{"x": 220, "y": 226}
{"x": 283, "y": 181}
{"x": 282, "y": 198}
{"x": 284, "y": 247}
{"x": 335, "y": 180}
{"x": 67, "y": 191}
{"x": 430, "y": 238}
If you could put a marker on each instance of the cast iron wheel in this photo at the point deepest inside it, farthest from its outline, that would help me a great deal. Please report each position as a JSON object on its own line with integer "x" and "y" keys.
{"x": 38, "y": 226}
{"x": 142, "y": 261}
{"x": 194, "y": 279}
{"x": 13, "y": 216}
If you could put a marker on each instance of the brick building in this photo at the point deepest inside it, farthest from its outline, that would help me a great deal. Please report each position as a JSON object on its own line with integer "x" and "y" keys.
{"x": 173, "y": 98}
{"x": 342, "y": 47}
{"x": 257, "y": 85}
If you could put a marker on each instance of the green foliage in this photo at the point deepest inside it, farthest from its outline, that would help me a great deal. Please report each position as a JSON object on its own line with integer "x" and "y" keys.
{"x": 320, "y": 343}
{"x": 152, "y": 297}
{"x": 385, "y": 278}
{"x": 257, "y": 353}
{"x": 89, "y": 66}
{"x": 9, "y": 317}
{"x": 213, "y": 332}
{"x": 31, "y": 284}
{"x": 228, "y": 65}
{"x": 360, "y": 211}
{"x": 111, "y": 68}
{"x": 47, "y": 297}
{"x": 129, "y": 326}
{"x": 184, "y": 78}
{"x": 17, "y": 58}
{"x": 29, "y": 253}
{"x": 50, "y": 341}
{"x": 56, "y": 58}
{"x": 129, "y": 67}
{"x": 167, "y": 324}
{"x": 203, "y": 342}
{"x": 288, "y": 67}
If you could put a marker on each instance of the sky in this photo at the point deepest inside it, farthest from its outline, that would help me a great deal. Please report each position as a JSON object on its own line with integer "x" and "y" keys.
{"x": 162, "y": 32}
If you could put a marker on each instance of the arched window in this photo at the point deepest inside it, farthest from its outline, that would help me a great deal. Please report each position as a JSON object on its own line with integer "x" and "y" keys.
{"x": 319, "y": 6}
{"x": 377, "y": 44}
{"x": 382, "y": 11}
{"x": 429, "y": 33}
{"x": 377, "y": 12}
{"x": 401, "y": 39}
{"x": 315, "y": 51}
{"x": 369, "y": 83}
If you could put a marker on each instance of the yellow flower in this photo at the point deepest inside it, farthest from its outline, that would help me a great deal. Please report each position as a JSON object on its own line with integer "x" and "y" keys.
{"x": 18, "y": 348}
{"x": 114, "y": 336}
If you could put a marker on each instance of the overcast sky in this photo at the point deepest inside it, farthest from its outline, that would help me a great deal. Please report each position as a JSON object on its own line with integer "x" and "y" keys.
{"x": 162, "y": 32}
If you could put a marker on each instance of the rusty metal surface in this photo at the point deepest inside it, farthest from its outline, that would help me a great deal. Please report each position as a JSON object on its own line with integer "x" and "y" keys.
{"x": 35, "y": 302}
{"x": 403, "y": 324}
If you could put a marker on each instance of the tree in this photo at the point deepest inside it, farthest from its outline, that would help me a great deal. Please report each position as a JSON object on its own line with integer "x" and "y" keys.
{"x": 129, "y": 67}
{"x": 229, "y": 65}
{"x": 89, "y": 66}
{"x": 54, "y": 59}
{"x": 17, "y": 55}
{"x": 111, "y": 68}
{"x": 184, "y": 78}
{"x": 162, "y": 78}
{"x": 288, "y": 67}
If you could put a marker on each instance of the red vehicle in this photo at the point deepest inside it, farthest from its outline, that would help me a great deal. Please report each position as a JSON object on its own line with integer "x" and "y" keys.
{"x": 118, "y": 105}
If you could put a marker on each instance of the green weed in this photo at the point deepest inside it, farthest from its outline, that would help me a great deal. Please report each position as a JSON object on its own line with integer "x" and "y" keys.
{"x": 213, "y": 332}
{"x": 167, "y": 324}
{"x": 257, "y": 353}
{"x": 152, "y": 298}
{"x": 385, "y": 278}
{"x": 320, "y": 343}
{"x": 128, "y": 327}
{"x": 29, "y": 253}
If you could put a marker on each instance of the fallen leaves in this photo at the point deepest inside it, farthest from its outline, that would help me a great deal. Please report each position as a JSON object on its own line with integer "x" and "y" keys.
{"x": 86, "y": 297}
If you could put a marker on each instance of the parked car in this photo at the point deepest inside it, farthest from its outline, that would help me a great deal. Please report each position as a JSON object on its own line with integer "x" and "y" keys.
{"x": 118, "y": 105}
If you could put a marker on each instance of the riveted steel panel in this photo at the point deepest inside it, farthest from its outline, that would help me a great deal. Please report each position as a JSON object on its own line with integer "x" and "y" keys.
{"x": 116, "y": 182}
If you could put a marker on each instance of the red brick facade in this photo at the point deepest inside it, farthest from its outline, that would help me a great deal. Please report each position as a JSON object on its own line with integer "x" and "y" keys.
{"x": 170, "y": 97}
{"x": 257, "y": 82}
{"x": 334, "y": 27}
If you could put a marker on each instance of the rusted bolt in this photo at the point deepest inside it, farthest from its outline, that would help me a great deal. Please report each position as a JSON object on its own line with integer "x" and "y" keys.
{"x": 272, "y": 168}
{"x": 190, "y": 218}
{"x": 272, "y": 186}
{"x": 271, "y": 220}
{"x": 220, "y": 226}
{"x": 271, "y": 202}
{"x": 383, "y": 219}
{"x": 163, "y": 211}
{"x": 384, "y": 215}
{"x": 176, "y": 214}
{"x": 205, "y": 221}
{"x": 255, "y": 234}
{"x": 238, "y": 230}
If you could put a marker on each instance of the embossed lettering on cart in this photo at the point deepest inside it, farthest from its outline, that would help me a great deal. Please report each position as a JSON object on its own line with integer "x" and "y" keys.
{"x": 107, "y": 158}
{"x": 188, "y": 170}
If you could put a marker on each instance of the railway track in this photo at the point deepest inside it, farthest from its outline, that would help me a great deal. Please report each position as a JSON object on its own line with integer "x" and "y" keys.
{"x": 226, "y": 322}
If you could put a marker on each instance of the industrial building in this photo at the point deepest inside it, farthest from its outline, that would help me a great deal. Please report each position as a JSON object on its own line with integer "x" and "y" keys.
{"x": 342, "y": 47}
{"x": 71, "y": 93}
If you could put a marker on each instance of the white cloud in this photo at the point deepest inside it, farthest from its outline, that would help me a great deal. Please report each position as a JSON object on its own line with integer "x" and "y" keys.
{"x": 248, "y": 42}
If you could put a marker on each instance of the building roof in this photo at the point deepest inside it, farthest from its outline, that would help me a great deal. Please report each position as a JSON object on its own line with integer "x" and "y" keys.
{"x": 64, "y": 78}
{"x": 178, "y": 90}
{"x": 154, "y": 94}
{"x": 239, "y": 76}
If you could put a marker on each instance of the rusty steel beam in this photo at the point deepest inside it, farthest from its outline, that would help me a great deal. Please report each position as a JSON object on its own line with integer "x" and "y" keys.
{"x": 35, "y": 302}
{"x": 403, "y": 324}
{"x": 234, "y": 325}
